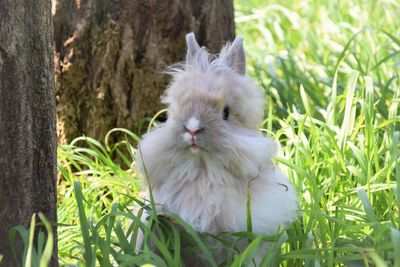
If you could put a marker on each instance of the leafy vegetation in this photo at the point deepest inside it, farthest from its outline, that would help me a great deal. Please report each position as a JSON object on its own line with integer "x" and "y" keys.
{"x": 330, "y": 74}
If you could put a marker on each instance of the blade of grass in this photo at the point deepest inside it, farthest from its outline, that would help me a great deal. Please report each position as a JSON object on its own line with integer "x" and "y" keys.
{"x": 368, "y": 208}
{"x": 349, "y": 111}
{"x": 28, "y": 261}
{"x": 84, "y": 226}
{"x": 247, "y": 255}
{"x": 48, "y": 249}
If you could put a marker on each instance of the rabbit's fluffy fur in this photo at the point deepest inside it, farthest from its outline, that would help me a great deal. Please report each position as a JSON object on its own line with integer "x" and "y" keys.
{"x": 201, "y": 166}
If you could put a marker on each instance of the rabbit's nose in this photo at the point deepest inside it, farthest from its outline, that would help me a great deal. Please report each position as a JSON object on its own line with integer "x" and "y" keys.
{"x": 193, "y": 126}
{"x": 193, "y": 133}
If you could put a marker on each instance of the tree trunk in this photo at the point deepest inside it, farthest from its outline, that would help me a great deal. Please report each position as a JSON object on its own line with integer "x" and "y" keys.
{"x": 110, "y": 54}
{"x": 28, "y": 138}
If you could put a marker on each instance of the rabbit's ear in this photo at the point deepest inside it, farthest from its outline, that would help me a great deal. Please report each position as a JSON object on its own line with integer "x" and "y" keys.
{"x": 235, "y": 56}
{"x": 192, "y": 47}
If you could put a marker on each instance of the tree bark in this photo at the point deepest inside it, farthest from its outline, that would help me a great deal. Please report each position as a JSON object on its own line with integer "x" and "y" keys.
{"x": 28, "y": 138}
{"x": 110, "y": 55}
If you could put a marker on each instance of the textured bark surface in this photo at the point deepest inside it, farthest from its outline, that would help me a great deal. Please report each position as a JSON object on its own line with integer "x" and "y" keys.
{"x": 110, "y": 54}
{"x": 27, "y": 118}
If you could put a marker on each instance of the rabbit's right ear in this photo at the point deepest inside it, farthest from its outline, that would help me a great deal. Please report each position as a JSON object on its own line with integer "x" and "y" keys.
{"x": 235, "y": 56}
{"x": 192, "y": 47}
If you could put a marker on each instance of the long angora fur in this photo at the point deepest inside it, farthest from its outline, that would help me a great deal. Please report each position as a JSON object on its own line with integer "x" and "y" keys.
{"x": 201, "y": 165}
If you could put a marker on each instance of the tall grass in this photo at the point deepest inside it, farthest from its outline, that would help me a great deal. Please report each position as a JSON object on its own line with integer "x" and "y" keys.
{"x": 330, "y": 72}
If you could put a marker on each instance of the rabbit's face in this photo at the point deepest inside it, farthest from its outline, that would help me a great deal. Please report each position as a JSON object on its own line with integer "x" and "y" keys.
{"x": 209, "y": 99}
{"x": 202, "y": 126}
{"x": 201, "y": 120}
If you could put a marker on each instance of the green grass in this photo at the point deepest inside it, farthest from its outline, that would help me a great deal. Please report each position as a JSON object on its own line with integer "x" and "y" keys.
{"x": 330, "y": 72}
{"x": 37, "y": 251}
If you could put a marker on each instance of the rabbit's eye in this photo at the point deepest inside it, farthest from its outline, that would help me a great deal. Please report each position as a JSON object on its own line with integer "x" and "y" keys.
{"x": 225, "y": 113}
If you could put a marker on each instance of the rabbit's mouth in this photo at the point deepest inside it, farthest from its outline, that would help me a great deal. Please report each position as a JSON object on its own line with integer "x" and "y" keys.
{"x": 193, "y": 145}
{"x": 194, "y": 148}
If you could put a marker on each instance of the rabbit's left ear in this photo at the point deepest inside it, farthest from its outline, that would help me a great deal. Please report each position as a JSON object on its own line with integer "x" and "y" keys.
{"x": 235, "y": 56}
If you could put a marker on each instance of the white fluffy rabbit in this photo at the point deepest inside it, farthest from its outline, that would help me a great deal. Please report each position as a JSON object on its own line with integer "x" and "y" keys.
{"x": 203, "y": 161}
